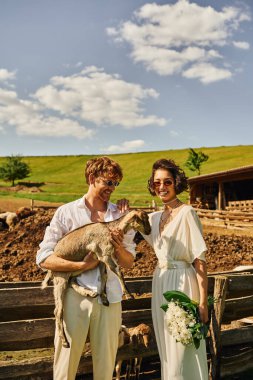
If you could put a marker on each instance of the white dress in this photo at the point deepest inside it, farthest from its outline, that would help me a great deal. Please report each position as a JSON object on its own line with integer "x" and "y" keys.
{"x": 178, "y": 245}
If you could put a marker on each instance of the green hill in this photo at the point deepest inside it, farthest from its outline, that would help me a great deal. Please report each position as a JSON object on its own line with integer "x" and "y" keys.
{"x": 63, "y": 176}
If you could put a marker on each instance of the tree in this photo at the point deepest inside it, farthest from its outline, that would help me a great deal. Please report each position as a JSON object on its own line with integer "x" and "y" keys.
{"x": 195, "y": 160}
{"x": 14, "y": 168}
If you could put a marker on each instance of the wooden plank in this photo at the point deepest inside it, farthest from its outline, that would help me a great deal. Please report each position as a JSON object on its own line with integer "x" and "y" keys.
{"x": 23, "y": 334}
{"x": 137, "y": 304}
{"x": 20, "y": 284}
{"x": 29, "y": 296}
{"x": 237, "y": 308}
{"x": 134, "y": 317}
{"x": 28, "y": 311}
{"x": 220, "y": 290}
{"x": 10, "y": 370}
{"x": 44, "y": 365}
{"x": 236, "y": 364}
{"x": 39, "y": 333}
{"x": 15, "y": 297}
{"x": 27, "y": 302}
{"x": 237, "y": 336}
{"x": 140, "y": 286}
{"x": 239, "y": 285}
{"x": 39, "y": 367}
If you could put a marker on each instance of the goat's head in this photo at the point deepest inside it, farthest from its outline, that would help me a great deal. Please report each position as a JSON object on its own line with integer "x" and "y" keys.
{"x": 141, "y": 334}
{"x": 138, "y": 220}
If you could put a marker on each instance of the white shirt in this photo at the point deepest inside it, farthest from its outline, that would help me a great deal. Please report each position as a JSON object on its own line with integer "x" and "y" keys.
{"x": 71, "y": 216}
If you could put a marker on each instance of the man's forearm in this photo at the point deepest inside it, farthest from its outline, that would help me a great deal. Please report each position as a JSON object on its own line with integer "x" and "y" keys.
{"x": 58, "y": 264}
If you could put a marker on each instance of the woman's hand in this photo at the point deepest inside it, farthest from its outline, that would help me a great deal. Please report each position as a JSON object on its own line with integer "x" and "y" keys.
{"x": 117, "y": 239}
{"x": 123, "y": 205}
{"x": 123, "y": 257}
{"x": 203, "y": 313}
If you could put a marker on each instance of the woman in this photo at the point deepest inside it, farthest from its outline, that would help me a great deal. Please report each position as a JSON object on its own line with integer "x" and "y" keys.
{"x": 179, "y": 246}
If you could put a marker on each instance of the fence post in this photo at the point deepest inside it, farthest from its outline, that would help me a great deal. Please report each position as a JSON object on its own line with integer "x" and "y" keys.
{"x": 220, "y": 290}
{"x": 32, "y": 204}
{"x": 154, "y": 205}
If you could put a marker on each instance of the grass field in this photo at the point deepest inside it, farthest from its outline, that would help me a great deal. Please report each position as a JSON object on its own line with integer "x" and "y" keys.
{"x": 64, "y": 180}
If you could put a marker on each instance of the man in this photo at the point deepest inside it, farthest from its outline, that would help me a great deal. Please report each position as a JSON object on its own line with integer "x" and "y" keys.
{"x": 83, "y": 314}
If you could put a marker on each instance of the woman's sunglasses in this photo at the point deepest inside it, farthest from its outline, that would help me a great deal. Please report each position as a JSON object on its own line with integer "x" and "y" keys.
{"x": 166, "y": 182}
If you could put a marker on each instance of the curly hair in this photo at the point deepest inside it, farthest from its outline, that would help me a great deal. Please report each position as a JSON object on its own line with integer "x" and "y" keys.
{"x": 103, "y": 167}
{"x": 178, "y": 174}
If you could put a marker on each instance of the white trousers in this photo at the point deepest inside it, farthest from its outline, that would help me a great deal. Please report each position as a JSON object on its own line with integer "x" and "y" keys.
{"x": 83, "y": 314}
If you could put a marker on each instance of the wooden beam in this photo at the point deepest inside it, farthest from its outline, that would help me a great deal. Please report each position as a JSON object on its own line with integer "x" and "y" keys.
{"x": 220, "y": 289}
{"x": 39, "y": 333}
{"x": 237, "y": 308}
{"x": 238, "y": 336}
{"x": 235, "y": 364}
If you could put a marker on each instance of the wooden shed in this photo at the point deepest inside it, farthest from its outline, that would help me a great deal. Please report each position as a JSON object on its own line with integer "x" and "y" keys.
{"x": 219, "y": 190}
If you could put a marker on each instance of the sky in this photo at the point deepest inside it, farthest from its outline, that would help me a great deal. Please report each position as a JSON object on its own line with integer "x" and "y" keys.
{"x": 121, "y": 76}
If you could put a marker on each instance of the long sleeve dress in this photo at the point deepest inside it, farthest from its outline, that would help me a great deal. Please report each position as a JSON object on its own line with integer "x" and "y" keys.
{"x": 179, "y": 244}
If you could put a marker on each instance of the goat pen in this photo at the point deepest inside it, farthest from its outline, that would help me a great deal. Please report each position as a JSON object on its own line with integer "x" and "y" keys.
{"x": 27, "y": 327}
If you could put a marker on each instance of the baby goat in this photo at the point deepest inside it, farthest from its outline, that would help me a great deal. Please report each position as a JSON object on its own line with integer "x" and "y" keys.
{"x": 96, "y": 238}
{"x": 137, "y": 337}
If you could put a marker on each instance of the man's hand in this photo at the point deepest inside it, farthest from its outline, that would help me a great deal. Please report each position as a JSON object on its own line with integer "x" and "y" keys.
{"x": 90, "y": 261}
{"x": 123, "y": 205}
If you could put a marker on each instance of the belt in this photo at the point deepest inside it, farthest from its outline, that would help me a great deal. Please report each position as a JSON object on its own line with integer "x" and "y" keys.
{"x": 173, "y": 265}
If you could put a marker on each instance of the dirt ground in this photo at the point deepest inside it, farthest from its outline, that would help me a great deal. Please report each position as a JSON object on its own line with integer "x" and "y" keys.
{"x": 226, "y": 249}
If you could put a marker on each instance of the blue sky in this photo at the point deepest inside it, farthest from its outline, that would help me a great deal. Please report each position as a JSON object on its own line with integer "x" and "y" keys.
{"x": 120, "y": 76}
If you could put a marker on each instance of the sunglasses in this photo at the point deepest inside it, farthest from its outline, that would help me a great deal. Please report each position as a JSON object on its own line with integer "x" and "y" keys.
{"x": 110, "y": 183}
{"x": 166, "y": 182}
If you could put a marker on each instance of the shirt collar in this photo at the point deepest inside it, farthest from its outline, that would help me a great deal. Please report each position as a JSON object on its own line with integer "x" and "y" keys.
{"x": 110, "y": 206}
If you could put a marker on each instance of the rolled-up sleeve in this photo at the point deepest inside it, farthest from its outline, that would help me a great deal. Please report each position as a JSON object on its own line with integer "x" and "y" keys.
{"x": 54, "y": 232}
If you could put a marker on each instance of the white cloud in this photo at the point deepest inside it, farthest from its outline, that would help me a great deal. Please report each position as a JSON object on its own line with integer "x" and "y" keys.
{"x": 29, "y": 119}
{"x": 171, "y": 38}
{"x": 206, "y": 73}
{"x": 100, "y": 98}
{"x": 62, "y": 107}
{"x": 241, "y": 45}
{"x": 174, "y": 133}
{"x": 125, "y": 147}
{"x": 6, "y": 75}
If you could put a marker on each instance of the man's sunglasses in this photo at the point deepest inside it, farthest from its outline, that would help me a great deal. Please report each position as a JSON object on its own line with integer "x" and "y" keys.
{"x": 110, "y": 183}
{"x": 166, "y": 182}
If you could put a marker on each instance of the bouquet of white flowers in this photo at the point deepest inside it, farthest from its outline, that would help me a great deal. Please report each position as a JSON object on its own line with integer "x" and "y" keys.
{"x": 182, "y": 317}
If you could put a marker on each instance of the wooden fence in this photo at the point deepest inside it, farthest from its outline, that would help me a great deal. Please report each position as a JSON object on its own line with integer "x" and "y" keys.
{"x": 233, "y": 219}
{"x": 246, "y": 205}
{"x": 27, "y": 327}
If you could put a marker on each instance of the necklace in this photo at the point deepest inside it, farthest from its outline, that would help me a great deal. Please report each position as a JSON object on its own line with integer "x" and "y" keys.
{"x": 167, "y": 214}
{"x": 172, "y": 204}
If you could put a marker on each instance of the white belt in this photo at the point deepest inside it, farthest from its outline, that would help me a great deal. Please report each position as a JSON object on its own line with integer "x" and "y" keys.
{"x": 173, "y": 265}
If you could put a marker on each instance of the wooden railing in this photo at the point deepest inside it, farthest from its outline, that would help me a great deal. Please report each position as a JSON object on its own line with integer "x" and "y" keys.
{"x": 246, "y": 205}
{"x": 224, "y": 218}
{"x": 27, "y": 323}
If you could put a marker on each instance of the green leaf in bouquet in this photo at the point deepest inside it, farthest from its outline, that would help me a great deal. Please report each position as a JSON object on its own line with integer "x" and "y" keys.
{"x": 211, "y": 300}
{"x": 196, "y": 343}
{"x": 176, "y": 295}
{"x": 204, "y": 330}
{"x": 164, "y": 307}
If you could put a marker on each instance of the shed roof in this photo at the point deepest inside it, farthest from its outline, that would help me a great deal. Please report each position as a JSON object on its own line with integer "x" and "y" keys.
{"x": 243, "y": 172}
